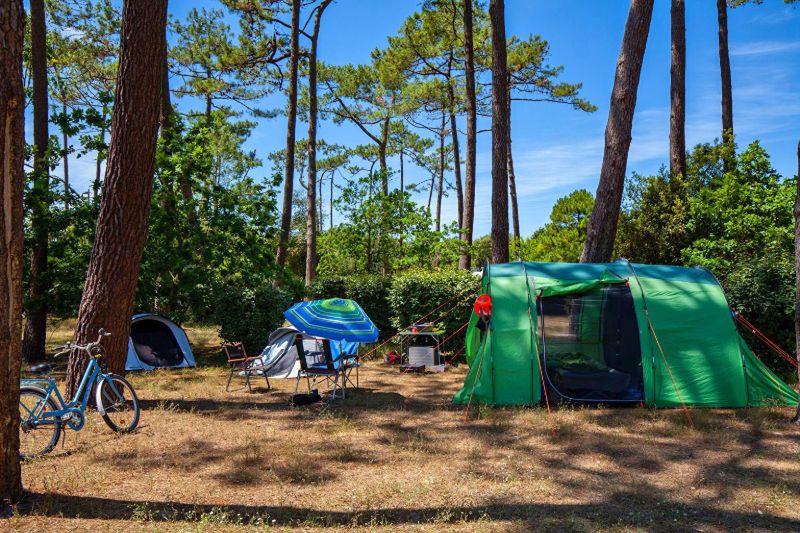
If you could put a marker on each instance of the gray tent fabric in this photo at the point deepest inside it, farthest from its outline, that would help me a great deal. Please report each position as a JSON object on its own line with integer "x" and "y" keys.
{"x": 157, "y": 342}
{"x": 281, "y": 353}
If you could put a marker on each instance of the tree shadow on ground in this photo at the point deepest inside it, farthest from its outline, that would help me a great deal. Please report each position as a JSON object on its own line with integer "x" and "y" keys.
{"x": 649, "y": 511}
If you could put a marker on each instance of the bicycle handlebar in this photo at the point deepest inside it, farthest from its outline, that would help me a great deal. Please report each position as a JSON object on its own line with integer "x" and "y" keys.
{"x": 61, "y": 350}
{"x": 68, "y": 347}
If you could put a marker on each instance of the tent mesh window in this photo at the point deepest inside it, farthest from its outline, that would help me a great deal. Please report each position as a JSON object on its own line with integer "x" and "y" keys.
{"x": 155, "y": 343}
{"x": 590, "y": 345}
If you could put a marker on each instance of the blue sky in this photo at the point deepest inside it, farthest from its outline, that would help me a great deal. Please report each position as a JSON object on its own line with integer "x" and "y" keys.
{"x": 557, "y": 149}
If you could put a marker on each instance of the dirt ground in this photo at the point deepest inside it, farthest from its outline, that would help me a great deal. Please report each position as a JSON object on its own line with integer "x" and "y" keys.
{"x": 397, "y": 456}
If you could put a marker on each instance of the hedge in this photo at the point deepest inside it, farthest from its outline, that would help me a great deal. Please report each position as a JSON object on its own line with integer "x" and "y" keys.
{"x": 250, "y": 315}
{"x": 371, "y": 293}
{"x": 395, "y": 302}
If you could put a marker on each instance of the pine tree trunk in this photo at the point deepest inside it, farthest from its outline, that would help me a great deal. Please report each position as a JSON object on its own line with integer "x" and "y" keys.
{"x": 431, "y": 189}
{"x": 321, "y": 213}
{"x": 165, "y": 118}
{"x": 512, "y": 190}
{"x": 382, "y": 148}
{"x": 98, "y": 164}
{"x": 467, "y": 220}
{"x": 36, "y": 320}
{"x": 167, "y": 203}
{"x": 12, "y": 177}
{"x": 602, "y": 227}
{"x": 499, "y": 133}
{"x": 65, "y": 140}
{"x": 166, "y": 121}
{"x": 797, "y": 274}
{"x": 440, "y": 188}
{"x": 456, "y": 155}
{"x": 311, "y": 207}
{"x": 512, "y": 185}
{"x": 108, "y": 296}
{"x": 291, "y": 124}
{"x": 402, "y": 195}
{"x": 677, "y": 116}
{"x": 402, "y": 174}
{"x": 727, "y": 91}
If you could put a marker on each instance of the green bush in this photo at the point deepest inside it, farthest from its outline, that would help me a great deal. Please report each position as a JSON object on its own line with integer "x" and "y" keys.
{"x": 415, "y": 294}
{"x": 249, "y": 315}
{"x": 371, "y": 293}
{"x": 329, "y": 287}
{"x": 394, "y": 302}
{"x": 763, "y": 290}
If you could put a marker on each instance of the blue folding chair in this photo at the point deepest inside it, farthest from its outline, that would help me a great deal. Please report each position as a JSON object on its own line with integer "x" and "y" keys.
{"x": 332, "y": 371}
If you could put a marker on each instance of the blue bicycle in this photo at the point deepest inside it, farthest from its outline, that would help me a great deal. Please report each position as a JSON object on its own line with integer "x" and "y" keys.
{"x": 44, "y": 413}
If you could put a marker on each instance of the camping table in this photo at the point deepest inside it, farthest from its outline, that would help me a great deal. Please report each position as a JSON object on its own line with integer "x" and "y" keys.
{"x": 407, "y": 337}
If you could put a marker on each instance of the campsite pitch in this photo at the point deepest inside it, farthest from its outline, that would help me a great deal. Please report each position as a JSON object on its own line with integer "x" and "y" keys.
{"x": 397, "y": 455}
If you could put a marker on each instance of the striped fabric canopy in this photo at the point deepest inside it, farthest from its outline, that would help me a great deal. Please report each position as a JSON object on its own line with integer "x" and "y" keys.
{"x": 335, "y": 319}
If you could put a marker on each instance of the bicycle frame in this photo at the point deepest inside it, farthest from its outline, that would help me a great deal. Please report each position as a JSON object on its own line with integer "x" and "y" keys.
{"x": 75, "y": 408}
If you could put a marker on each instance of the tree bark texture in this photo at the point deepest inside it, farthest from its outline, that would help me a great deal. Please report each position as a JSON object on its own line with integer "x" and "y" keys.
{"x": 440, "y": 188}
{"x": 499, "y": 133}
{"x": 602, "y": 227}
{"x": 36, "y": 315}
{"x": 467, "y": 220}
{"x": 456, "y": 154}
{"x": 165, "y": 118}
{"x": 677, "y": 115}
{"x": 320, "y": 212}
{"x": 797, "y": 274}
{"x": 382, "y": 149}
{"x": 311, "y": 207}
{"x": 108, "y": 296}
{"x": 98, "y": 165}
{"x": 291, "y": 124}
{"x": 512, "y": 185}
{"x": 725, "y": 74}
{"x": 65, "y": 141}
{"x": 12, "y": 177}
{"x": 165, "y": 129}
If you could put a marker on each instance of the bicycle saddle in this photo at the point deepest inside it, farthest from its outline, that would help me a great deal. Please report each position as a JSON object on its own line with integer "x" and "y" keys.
{"x": 42, "y": 368}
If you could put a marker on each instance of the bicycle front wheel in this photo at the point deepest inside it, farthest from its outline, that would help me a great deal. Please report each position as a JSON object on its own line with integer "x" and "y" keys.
{"x": 118, "y": 405}
{"x": 37, "y": 436}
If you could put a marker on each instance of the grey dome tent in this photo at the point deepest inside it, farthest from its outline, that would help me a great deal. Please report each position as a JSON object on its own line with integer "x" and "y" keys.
{"x": 281, "y": 355}
{"x": 157, "y": 342}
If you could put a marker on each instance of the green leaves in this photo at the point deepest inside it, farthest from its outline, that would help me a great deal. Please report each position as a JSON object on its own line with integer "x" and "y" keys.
{"x": 394, "y": 302}
{"x": 737, "y": 224}
{"x": 563, "y": 237}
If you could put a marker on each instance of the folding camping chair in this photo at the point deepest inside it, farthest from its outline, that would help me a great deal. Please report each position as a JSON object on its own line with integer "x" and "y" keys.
{"x": 239, "y": 361}
{"x": 349, "y": 363}
{"x": 336, "y": 373}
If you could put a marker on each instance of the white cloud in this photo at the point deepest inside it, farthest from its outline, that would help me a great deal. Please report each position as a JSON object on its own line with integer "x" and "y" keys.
{"x": 778, "y": 17}
{"x": 758, "y": 48}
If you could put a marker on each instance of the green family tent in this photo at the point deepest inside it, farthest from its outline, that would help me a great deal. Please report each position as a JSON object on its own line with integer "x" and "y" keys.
{"x": 612, "y": 333}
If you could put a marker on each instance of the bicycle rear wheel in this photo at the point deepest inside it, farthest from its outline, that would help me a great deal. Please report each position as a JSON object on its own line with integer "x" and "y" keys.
{"x": 36, "y": 436}
{"x": 120, "y": 407}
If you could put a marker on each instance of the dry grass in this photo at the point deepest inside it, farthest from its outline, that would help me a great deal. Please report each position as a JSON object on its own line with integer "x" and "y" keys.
{"x": 397, "y": 456}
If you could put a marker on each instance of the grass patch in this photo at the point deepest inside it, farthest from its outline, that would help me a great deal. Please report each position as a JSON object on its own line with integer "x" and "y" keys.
{"x": 397, "y": 456}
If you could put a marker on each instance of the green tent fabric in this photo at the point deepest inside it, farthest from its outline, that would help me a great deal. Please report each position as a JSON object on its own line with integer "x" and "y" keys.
{"x": 680, "y": 322}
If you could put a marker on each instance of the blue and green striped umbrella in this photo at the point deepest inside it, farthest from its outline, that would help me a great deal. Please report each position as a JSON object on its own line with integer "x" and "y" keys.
{"x": 335, "y": 319}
